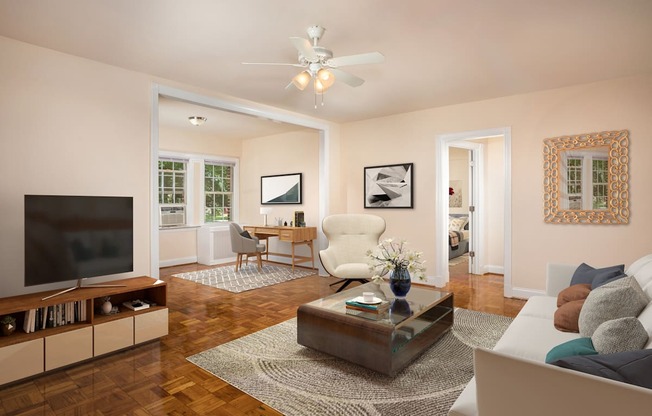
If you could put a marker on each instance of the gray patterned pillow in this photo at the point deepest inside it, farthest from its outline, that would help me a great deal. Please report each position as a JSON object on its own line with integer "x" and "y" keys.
{"x": 619, "y": 299}
{"x": 619, "y": 335}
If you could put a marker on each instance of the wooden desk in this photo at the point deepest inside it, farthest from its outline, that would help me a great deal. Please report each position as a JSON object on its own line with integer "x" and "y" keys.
{"x": 294, "y": 235}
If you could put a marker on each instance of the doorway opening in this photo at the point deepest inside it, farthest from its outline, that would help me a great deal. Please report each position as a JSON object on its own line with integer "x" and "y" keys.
{"x": 489, "y": 170}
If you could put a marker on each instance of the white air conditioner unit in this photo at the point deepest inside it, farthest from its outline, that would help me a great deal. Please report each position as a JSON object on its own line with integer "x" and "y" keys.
{"x": 171, "y": 216}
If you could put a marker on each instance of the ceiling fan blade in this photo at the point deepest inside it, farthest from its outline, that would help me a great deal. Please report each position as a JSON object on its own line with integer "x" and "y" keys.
{"x": 362, "y": 58}
{"x": 305, "y": 48}
{"x": 345, "y": 77}
{"x": 273, "y": 63}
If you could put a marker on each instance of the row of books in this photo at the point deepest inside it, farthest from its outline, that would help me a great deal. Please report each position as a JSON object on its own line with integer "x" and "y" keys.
{"x": 374, "y": 311}
{"x": 54, "y": 316}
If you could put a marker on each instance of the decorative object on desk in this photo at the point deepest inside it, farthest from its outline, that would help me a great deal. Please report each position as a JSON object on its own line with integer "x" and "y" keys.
{"x": 299, "y": 220}
{"x": 399, "y": 261}
{"x": 388, "y": 186}
{"x": 247, "y": 278}
{"x": 279, "y": 221}
{"x": 285, "y": 224}
{"x": 265, "y": 211}
{"x": 106, "y": 306}
{"x": 8, "y": 324}
{"x": 280, "y": 189}
{"x": 291, "y": 378}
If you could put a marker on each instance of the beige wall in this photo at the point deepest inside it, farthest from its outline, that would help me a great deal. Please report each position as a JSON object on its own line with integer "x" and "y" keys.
{"x": 609, "y": 105}
{"x": 73, "y": 126}
{"x": 69, "y": 126}
{"x": 177, "y": 140}
{"x": 295, "y": 152}
{"x": 458, "y": 162}
{"x": 494, "y": 195}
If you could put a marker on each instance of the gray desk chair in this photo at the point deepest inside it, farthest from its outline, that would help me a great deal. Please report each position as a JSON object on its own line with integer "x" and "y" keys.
{"x": 245, "y": 246}
{"x": 350, "y": 236}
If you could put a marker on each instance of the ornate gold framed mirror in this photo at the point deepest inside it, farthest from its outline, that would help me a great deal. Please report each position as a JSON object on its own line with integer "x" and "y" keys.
{"x": 586, "y": 178}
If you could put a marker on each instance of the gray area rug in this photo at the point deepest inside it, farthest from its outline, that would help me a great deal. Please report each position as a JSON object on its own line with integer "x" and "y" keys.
{"x": 247, "y": 278}
{"x": 270, "y": 366}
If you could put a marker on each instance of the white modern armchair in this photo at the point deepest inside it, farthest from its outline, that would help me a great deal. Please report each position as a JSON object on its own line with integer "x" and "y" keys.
{"x": 350, "y": 236}
{"x": 245, "y": 246}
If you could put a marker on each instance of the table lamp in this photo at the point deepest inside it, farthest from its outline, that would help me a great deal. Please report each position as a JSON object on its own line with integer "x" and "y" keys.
{"x": 264, "y": 211}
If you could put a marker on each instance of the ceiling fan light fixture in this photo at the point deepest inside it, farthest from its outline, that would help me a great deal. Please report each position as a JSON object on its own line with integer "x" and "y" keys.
{"x": 301, "y": 80}
{"x": 196, "y": 120}
{"x": 326, "y": 78}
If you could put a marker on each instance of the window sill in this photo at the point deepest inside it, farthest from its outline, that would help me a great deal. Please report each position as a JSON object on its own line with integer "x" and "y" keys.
{"x": 178, "y": 227}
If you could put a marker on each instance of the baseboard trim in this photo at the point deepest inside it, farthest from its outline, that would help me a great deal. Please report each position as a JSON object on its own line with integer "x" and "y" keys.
{"x": 494, "y": 269}
{"x": 176, "y": 262}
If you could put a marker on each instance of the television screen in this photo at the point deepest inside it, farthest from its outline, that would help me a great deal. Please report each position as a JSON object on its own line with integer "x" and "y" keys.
{"x": 75, "y": 237}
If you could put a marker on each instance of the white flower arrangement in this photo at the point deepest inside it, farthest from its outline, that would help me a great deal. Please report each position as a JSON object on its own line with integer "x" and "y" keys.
{"x": 391, "y": 255}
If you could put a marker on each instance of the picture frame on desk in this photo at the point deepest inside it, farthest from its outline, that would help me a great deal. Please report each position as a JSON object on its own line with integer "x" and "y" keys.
{"x": 283, "y": 189}
{"x": 389, "y": 186}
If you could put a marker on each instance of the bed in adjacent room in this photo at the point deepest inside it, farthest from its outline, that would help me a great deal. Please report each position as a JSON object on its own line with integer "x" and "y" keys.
{"x": 458, "y": 235}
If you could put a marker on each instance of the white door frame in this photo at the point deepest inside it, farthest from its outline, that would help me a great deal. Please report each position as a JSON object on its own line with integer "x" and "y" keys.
{"x": 243, "y": 107}
{"x": 442, "y": 144}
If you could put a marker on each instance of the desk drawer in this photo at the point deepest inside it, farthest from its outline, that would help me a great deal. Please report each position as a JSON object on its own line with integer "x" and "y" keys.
{"x": 286, "y": 235}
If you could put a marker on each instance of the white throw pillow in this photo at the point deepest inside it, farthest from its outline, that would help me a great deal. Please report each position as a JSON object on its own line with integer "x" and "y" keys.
{"x": 457, "y": 224}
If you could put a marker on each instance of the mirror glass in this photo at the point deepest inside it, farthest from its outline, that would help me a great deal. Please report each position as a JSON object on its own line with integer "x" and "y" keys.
{"x": 586, "y": 178}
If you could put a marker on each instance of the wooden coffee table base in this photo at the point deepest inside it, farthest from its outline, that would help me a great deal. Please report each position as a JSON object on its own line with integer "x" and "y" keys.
{"x": 372, "y": 344}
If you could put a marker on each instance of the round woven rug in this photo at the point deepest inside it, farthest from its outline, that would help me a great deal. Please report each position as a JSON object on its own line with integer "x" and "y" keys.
{"x": 270, "y": 366}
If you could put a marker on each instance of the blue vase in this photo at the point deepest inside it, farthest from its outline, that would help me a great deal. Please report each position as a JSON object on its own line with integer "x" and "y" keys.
{"x": 400, "y": 282}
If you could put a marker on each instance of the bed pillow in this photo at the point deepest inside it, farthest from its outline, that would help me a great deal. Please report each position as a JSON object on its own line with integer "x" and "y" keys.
{"x": 579, "y": 346}
{"x": 619, "y": 335}
{"x": 619, "y": 299}
{"x": 457, "y": 223}
{"x": 633, "y": 367}
{"x": 585, "y": 273}
{"x": 575, "y": 292}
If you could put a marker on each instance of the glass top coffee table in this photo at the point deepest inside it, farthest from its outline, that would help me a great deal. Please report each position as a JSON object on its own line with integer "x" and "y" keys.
{"x": 387, "y": 344}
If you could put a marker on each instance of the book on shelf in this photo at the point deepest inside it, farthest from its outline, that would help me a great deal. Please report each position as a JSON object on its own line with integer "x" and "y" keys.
{"x": 135, "y": 305}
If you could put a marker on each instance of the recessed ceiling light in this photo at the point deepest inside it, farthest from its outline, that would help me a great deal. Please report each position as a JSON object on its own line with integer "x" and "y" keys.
{"x": 196, "y": 120}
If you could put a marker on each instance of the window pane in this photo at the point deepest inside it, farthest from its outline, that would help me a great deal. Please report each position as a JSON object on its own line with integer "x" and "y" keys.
{"x": 168, "y": 198}
{"x": 178, "y": 198}
{"x": 208, "y": 185}
{"x": 227, "y": 172}
{"x": 227, "y": 185}
{"x": 217, "y": 185}
{"x": 227, "y": 201}
{"x": 209, "y": 200}
{"x": 179, "y": 166}
{"x": 168, "y": 180}
{"x": 208, "y": 217}
{"x": 179, "y": 180}
{"x": 167, "y": 165}
{"x": 208, "y": 171}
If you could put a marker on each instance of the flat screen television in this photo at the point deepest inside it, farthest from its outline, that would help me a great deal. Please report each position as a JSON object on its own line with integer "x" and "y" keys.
{"x": 77, "y": 237}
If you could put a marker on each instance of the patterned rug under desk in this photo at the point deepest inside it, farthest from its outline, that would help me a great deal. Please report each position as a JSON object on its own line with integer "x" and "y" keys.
{"x": 247, "y": 278}
{"x": 270, "y": 366}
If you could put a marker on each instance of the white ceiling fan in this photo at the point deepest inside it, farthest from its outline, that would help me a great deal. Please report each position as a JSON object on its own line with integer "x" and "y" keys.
{"x": 320, "y": 65}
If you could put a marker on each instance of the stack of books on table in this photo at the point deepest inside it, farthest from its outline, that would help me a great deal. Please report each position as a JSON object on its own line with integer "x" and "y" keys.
{"x": 369, "y": 310}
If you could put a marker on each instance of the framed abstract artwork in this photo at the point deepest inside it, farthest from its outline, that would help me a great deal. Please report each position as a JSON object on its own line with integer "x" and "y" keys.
{"x": 388, "y": 186}
{"x": 280, "y": 189}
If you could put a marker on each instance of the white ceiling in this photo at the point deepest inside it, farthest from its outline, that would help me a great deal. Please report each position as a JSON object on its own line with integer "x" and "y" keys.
{"x": 438, "y": 52}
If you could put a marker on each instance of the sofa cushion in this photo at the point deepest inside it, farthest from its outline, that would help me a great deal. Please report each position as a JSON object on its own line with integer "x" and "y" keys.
{"x": 575, "y": 292}
{"x": 644, "y": 275}
{"x": 618, "y": 299}
{"x": 633, "y": 367}
{"x": 619, "y": 335}
{"x": 635, "y": 267}
{"x": 579, "y": 346}
{"x": 539, "y": 307}
{"x": 567, "y": 316}
{"x": 531, "y": 337}
{"x": 585, "y": 273}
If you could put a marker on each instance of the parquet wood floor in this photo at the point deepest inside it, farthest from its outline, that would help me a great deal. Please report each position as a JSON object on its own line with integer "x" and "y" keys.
{"x": 156, "y": 379}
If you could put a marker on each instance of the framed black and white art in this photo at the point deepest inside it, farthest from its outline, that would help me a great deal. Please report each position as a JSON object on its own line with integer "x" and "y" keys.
{"x": 388, "y": 186}
{"x": 280, "y": 189}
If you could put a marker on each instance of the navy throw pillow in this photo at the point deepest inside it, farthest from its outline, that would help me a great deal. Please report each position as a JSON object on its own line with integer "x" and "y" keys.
{"x": 586, "y": 274}
{"x": 632, "y": 367}
{"x": 245, "y": 234}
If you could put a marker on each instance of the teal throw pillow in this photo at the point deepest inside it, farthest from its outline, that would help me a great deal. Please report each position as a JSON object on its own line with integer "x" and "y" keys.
{"x": 579, "y": 346}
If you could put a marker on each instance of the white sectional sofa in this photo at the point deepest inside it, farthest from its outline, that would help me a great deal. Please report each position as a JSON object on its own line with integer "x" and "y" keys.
{"x": 513, "y": 378}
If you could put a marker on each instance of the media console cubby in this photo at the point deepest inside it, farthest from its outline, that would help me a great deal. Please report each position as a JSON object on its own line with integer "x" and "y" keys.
{"x": 27, "y": 354}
